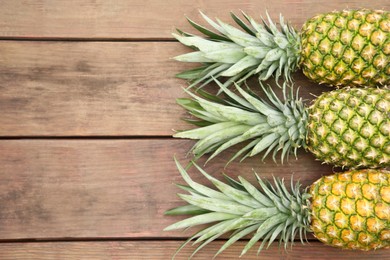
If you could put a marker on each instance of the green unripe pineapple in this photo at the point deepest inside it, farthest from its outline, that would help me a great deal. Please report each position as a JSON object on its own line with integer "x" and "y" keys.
{"x": 349, "y": 210}
{"x": 348, "y": 127}
{"x": 340, "y": 48}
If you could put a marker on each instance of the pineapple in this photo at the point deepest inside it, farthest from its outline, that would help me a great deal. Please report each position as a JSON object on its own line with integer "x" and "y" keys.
{"x": 348, "y": 210}
{"x": 347, "y": 127}
{"x": 340, "y": 48}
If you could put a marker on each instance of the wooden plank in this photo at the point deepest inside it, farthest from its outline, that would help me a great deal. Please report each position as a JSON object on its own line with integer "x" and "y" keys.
{"x": 56, "y": 189}
{"x": 71, "y": 88}
{"x": 94, "y": 88}
{"x": 137, "y": 19}
{"x": 165, "y": 249}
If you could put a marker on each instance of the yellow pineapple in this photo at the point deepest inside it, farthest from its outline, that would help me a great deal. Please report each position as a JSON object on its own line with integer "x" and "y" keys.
{"x": 353, "y": 206}
{"x": 349, "y": 210}
{"x": 340, "y": 48}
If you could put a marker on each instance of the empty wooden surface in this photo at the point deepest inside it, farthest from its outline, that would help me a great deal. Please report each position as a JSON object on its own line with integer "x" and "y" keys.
{"x": 140, "y": 19}
{"x": 87, "y": 101}
{"x": 147, "y": 250}
{"x": 89, "y": 88}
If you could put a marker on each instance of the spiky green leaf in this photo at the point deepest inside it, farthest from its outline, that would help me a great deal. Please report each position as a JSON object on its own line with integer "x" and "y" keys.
{"x": 268, "y": 212}
{"x": 252, "y": 48}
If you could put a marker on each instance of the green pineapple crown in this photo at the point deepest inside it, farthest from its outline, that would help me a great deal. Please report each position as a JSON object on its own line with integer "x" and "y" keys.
{"x": 274, "y": 125}
{"x": 241, "y": 208}
{"x": 260, "y": 49}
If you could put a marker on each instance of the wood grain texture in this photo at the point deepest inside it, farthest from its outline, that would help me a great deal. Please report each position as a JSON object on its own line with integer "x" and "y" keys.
{"x": 137, "y": 19}
{"x": 75, "y": 189}
{"x": 94, "y": 88}
{"x": 106, "y": 71}
{"x": 76, "y": 88}
{"x": 156, "y": 250}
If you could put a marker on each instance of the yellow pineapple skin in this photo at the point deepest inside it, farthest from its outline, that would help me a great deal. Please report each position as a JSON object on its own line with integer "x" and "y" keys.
{"x": 350, "y": 127}
{"x": 347, "y": 48}
{"x": 351, "y": 210}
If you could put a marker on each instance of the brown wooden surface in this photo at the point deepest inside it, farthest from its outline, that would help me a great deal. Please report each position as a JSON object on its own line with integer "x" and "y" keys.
{"x": 71, "y": 88}
{"x": 87, "y": 102}
{"x": 51, "y": 189}
{"x": 140, "y": 19}
{"x": 156, "y": 250}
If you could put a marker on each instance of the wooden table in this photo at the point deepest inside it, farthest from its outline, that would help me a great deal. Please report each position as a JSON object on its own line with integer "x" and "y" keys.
{"x": 87, "y": 101}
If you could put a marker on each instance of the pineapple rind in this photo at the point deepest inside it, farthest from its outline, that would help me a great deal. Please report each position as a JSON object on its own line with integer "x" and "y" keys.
{"x": 352, "y": 210}
{"x": 347, "y": 48}
{"x": 350, "y": 127}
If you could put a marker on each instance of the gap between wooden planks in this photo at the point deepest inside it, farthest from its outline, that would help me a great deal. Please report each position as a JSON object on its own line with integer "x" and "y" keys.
{"x": 123, "y": 19}
{"x": 161, "y": 249}
{"x": 75, "y": 189}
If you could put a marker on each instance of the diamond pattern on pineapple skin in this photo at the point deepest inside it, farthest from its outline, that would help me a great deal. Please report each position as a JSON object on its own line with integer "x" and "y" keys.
{"x": 361, "y": 222}
{"x": 357, "y": 42}
{"x": 353, "y": 130}
{"x": 375, "y": 225}
{"x": 347, "y": 206}
{"x": 364, "y": 208}
{"x": 369, "y": 191}
{"x": 382, "y": 211}
{"x": 385, "y": 193}
{"x": 348, "y": 235}
{"x": 357, "y": 222}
